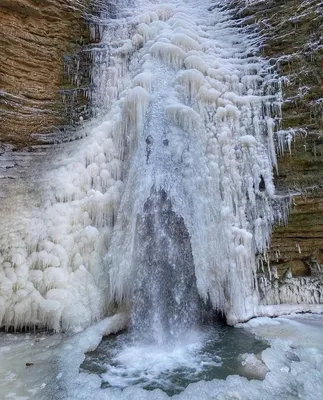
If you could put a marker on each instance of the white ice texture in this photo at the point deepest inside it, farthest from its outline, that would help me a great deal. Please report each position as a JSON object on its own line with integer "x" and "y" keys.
{"x": 174, "y": 71}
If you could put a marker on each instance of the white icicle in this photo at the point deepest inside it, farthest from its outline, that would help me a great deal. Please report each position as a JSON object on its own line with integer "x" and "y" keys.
{"x": 180, "y": 107}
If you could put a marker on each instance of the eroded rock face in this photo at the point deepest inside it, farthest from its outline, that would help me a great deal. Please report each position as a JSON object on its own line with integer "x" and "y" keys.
{"x": 295, "y": 43}
{"x": 36, "y": 39}
{"x": 292, "y": 33}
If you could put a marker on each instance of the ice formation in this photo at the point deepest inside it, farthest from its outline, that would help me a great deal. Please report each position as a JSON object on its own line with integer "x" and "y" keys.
{"x": 302, "y": 290}
{"x": 208, "y": 143}
{"x": 185, "y": 105}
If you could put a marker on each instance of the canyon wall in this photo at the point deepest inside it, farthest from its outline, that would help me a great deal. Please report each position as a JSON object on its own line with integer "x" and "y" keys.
{"x": 44, "y": 75}
{"x": 291, "y": 35}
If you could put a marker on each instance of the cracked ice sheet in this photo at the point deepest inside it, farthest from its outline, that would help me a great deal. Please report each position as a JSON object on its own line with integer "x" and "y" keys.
{"x": 294, "y": 360}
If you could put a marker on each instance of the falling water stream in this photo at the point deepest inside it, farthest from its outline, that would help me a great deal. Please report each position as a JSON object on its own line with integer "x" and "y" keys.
{"x": 163, "y": 204}
{"x": 198, "y": 185}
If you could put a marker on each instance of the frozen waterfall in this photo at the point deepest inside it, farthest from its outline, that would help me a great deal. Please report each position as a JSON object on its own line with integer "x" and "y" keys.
{"x": 174, "y": 174}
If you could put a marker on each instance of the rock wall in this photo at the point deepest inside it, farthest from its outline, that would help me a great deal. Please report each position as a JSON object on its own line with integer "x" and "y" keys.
{"x": 37, "y": 39}
{"x": 291, "y": 32}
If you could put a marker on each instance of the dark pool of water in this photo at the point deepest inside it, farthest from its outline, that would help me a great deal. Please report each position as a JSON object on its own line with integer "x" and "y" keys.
{"x": 209, "y": 353}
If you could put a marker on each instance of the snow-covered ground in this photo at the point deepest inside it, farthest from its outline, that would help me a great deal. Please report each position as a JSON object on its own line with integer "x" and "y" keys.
{"x": 294, "y": 362}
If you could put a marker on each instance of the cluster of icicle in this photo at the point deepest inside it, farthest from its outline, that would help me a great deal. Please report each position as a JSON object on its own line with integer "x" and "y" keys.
{"x": 299, "y": 290}
{"x": 220, "y": 132}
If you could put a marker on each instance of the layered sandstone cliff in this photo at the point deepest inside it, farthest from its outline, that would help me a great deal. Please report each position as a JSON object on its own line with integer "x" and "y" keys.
{"x": 40, "y": 55}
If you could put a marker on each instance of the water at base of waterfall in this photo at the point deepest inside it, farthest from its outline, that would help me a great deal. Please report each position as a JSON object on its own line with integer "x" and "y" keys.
{"x": 201, "y": 354}
{"x": 293, "y": 359}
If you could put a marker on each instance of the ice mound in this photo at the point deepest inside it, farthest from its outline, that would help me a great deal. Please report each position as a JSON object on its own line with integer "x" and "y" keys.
{"x": 216, "y": 95}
